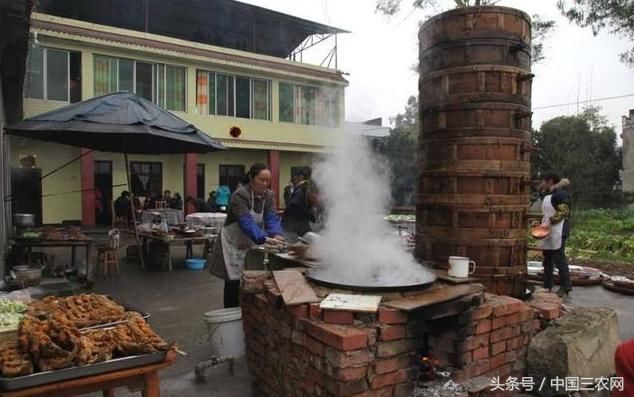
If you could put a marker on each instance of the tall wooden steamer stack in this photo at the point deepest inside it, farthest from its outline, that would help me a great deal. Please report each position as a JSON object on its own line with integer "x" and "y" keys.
{"x": 474, "y": 143}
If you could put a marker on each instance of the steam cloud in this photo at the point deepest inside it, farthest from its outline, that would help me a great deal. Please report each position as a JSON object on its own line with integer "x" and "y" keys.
{"x": 358, "y": 246}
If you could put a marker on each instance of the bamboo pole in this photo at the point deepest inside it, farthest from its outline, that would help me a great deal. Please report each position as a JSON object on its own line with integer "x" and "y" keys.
{"x": 136, "y": 231}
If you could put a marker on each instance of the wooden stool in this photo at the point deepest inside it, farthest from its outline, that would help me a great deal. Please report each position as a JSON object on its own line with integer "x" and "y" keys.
{"x": 107, "y": 262}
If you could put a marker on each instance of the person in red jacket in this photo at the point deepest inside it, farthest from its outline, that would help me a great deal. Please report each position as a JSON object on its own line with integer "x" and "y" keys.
{"x": 624, "y": 363}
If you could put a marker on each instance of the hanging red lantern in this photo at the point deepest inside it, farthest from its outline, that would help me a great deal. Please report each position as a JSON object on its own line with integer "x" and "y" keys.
{"x": 235, "y": 132}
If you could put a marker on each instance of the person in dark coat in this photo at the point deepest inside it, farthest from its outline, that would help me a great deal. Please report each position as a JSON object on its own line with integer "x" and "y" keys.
{"x": 298, "y": 213}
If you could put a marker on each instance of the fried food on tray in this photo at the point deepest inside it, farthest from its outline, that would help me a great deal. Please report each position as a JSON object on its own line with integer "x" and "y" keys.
{"x": 95, "y": 346}
{"x": 13, "y": 361}
{"x": 80, "y": 311}
{"x": 50, "y": 335}
{"x": 51, "y": 345}
{"x": 137, "y": 337}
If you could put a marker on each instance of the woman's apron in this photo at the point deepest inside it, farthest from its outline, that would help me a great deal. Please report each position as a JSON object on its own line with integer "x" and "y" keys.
{"x": 235, "y": 244}
{"x": 553, "y": 241}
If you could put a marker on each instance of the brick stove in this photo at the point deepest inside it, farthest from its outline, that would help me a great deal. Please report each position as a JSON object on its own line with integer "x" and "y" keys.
{"x": 301, "y": 350}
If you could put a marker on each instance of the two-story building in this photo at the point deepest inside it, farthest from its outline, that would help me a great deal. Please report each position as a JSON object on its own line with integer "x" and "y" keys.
{"x": 218, "y": 64}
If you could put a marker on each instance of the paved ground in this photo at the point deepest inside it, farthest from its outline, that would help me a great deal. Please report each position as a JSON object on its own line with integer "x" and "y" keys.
{"x": 178, "y": 300}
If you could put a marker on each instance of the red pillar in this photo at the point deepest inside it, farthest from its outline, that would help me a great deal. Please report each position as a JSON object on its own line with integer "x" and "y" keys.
{"x": 191, "y": 185}
{"x": 87, "y": 165}
{"x": 274, "y": 165}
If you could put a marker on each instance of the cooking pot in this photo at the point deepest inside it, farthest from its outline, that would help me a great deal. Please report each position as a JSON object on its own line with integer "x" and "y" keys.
{"x": 24, "y": 220}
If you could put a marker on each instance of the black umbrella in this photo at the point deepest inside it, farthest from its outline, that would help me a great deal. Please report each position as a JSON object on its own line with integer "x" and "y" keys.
{"x": 120, "y": 122}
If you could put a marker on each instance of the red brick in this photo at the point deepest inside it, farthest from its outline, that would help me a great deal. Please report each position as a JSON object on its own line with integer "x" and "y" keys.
{"x": 338, "y": 317}
{"x": 392, "y": 378}
{"x": 315, "y": 311}
{"x": 337, "y": 336}
{"x": 273, "y": 295}
{"x": 386, "y": 366}
{"x": 391, "y": 332}
{"x": 549, "y": 311}
{"x": 498, "y": 322}
{"x": 497, "y": 361}
{"x": 481, "y": 312}
{"x": 315, "y": 346}
{"x": 526, "y": 313}
{"x": 300, "y": 311}
{"x": 392, "y": 316}
{"x": 510, "y": 357}
{"x": 341, "y": 359}
{"x": 261, "y": 302}
{"x": 483, "y": 326}
{"x": 502, "y": 371}
{"x": 504, "y": 305}
{"x": 504, "y": 334}
{"x": 480, "y": 353}
{"x": 474, "y": 342}
{"x": 497, "y": 348}
{"x": 351, "y": 373}
{"x": 515, "y": 343}
{"x": 398, "y": 347}
{"x": 513, "y": 319}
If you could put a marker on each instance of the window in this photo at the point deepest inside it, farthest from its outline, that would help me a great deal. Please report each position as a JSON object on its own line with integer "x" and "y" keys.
{"x": 309, "y": 105}
{"x": 159, "y": 83}
{"x": 287, "y": 103}
{"x": 53, "y": 75}
{"x": 235, "y": 96}
{"x": 231, "y": 175}
{"x": 147, "y": 178}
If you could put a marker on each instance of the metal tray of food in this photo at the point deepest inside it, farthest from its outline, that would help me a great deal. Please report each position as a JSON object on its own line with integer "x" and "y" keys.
{"x": 127, "y": 307}
{"x": 42, "y": 378}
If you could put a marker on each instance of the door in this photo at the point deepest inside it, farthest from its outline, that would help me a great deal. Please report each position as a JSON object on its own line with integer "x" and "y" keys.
{"x": 231, "y": 175}
{"x": 200, "y": 181}
{"x": 103, "y": 192}
{"x": 26, "y": 192}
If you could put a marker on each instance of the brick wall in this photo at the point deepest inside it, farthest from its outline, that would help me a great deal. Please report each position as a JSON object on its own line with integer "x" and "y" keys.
{"x": 296, "y": 351}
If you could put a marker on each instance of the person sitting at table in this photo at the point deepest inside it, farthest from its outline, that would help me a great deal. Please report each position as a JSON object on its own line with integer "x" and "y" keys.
{"x": 251, "y": 220}
{"x": 177, "y": 202}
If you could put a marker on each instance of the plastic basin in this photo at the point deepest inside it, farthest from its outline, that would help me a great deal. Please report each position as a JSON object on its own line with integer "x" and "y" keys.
{"x": 195, "y": 263}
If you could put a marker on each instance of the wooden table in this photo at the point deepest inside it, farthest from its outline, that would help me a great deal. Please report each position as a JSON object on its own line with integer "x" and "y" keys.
{"x": 169, "y": 242}
{"x": 86, "y": 243}
{"x": 146, "y": 377}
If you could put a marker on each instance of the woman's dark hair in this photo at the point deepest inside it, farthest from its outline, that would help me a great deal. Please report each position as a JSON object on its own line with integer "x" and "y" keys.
{"x": 256, "y": 169}
{"x": 551, "y": 177}
{"x": 305, "y": 172}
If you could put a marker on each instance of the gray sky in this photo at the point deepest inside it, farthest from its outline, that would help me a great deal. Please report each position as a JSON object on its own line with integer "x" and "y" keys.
{"x": 380, "y": 52}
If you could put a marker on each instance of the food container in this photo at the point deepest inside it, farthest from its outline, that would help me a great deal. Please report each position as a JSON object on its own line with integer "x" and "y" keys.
{"x": 27, "y": 276}
{"x": 195, "y": 263}
{"x": 540, "y": 232}
{"x": 24, "y": 220}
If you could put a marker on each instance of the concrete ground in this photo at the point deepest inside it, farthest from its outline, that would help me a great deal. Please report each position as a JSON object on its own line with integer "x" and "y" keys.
{"x": 178, "y": 300}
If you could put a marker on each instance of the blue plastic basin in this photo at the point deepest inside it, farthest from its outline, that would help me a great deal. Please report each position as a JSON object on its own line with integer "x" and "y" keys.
{"x": 195, "y": 263}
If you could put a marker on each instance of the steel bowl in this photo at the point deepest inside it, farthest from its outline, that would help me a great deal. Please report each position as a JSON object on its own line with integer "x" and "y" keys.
{"x": 24, "y": 220}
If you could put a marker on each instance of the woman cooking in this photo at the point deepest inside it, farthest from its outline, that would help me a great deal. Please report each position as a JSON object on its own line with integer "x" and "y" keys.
{"x": 251, "y": 220}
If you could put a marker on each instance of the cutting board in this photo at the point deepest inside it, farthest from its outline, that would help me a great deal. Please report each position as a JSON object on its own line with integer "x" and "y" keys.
{"x": 294, "y": 288}
{"x": 435, "y": 296}
{"x": 352, "y": 303}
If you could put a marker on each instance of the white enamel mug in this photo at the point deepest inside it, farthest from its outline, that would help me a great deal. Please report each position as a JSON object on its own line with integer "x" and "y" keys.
{"x": 459, "y": 266}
